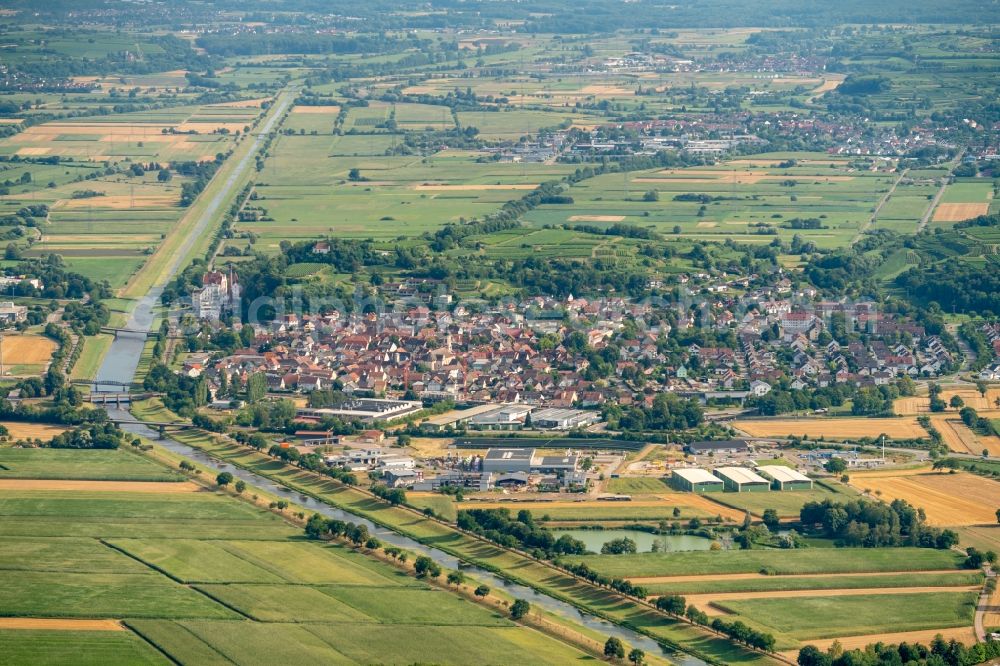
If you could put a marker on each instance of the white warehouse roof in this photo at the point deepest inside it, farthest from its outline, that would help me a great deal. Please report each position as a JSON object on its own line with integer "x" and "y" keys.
{"x": 782, "y": 473}
{"x": 696, "y": 475}
{"x": 740, "y": 475}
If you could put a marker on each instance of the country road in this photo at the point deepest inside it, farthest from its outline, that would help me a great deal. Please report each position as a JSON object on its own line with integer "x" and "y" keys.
{"x": 940, "y": 193}
{"x": 878, "y": 207}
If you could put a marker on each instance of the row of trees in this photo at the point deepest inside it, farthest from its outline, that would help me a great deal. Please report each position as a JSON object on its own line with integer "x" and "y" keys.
{"x": 940, "y": 653}
{"x": 675, "y": 604}
{"x": 93, "y": 436}
{"x": 522, "y": 533}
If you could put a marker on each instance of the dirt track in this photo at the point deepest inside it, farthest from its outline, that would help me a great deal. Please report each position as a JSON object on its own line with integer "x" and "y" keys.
{"x": 961, "y": 634}
{"x": 100, "y": 486}
{"x": 60, "y": 624}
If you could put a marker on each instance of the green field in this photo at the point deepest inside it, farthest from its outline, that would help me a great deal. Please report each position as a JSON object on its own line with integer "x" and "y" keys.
{"x": 77, "y": 648}
{"x": 118, "y": 465}
{"x": 619, "y": 511}
{"x": 204, "y": 578}
{"x": 470, "y": 550}
{"x": 637, "y": 486}
{"x": 786, "y": 583}
{"x": 780, "y": 562}
{"x": 826, "y": 617}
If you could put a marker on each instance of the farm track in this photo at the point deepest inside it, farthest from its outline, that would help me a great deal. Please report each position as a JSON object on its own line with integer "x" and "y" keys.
{"x": 962, "y": 634}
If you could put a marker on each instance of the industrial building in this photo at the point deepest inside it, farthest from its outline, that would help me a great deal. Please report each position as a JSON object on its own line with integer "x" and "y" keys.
{"x": 454, "y": 418}
{"x": 508, "y": 460}
{"x": 785, "y": 478}
{"x": 695, "y": 480}
{"x": 742, "y": 480}
{"x": 562, "y": 419}
{"x": 369, "y": 410}
{"x": 728, "y": 447}
{"x": 528, "y": 460}
{"x": 504, "y": 417}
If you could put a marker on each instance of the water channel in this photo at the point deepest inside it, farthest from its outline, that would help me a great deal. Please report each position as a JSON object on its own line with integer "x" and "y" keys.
{"x": 120, "y": 365}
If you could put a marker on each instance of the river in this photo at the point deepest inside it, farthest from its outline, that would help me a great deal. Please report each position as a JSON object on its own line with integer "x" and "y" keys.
{"x": 120, "y": 365}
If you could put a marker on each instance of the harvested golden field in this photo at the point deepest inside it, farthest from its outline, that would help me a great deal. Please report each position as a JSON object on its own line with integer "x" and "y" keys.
{"x": 60, "y": 624}
{"x": 472, "y": 188}
{"x": 19, "y": 430}
{"x": 27, "y": 350}
{"x": 961, "y": 439}
{"x": 921, "y": 404}
{"x": 169, "y": 487}
{"x": 595, "y": 218}
{"x": 331, "y": 109}
{"x": 122, "y": 202}
{"x": 956, "y": 212}
{"x": 834, "y": 428}
{"x": 828, "y": 84}
{"x": 605, "y": 91}
{"x": 947, "y": 499}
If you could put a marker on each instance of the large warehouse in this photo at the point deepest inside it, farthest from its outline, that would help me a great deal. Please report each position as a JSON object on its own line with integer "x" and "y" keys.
{"x": 742, "y": 480}
{"x": 695, "y": 481}
{"x": 785, "y": 478}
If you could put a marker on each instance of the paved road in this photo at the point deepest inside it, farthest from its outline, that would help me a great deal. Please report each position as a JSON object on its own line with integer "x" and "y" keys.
{"x": 878, "y": 207}
{"x": 940, "y": 193}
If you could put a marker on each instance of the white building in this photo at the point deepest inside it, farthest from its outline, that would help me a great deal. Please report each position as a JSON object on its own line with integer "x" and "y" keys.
{"x": 220, "y": 293}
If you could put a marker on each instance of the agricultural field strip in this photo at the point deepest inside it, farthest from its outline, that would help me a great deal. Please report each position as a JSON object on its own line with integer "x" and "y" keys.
{"x": 749, "y": 583}
{"x": 512, "y": 565}
{"x": 395, "y": 599}
{"x": 807, "y": 617}
{"x": 812, "y": 561}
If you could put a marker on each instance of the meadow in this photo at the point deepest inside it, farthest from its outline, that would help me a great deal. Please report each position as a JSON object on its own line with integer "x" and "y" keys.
{"x": 826, "y": 617}
{"x": 724, "y": 584}
{"x": 115, "y": 465}
{"x": 778, "y": 562}
{"x": 200, "y": 577}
